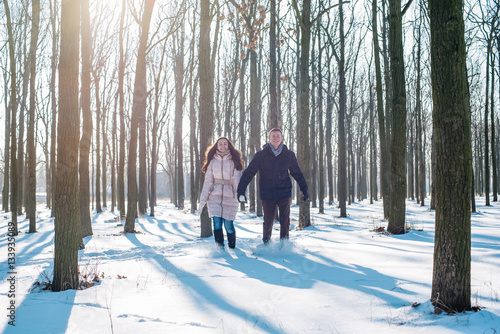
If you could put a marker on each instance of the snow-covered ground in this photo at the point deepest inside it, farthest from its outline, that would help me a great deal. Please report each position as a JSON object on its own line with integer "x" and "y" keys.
{"x": 337, "y": 276}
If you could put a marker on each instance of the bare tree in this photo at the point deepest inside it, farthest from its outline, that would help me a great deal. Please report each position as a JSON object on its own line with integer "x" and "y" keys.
{"x": 138, "y": 116}
{"x": 67, "y": 219}
{"x": 451, "y": 282}
{"x": 206, "y": 74}
{"x": 398, "y": 136}
{"x": 87, "y": 120}
{"x": 13, "y": 125}
{"x": 31, "y": 145}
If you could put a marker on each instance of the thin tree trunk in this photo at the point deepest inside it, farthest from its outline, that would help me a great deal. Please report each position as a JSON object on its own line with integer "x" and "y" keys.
{"x": 493, "y": 153}
{"x": 384, "y": 149}
{"x": 13, "y": 230}
{"x": 179, "y": 106}
{"x": 52, "y": 88}
{"x": 420, "y": 130}
{"x": 98, "y": 144}
{"x": 342, "y": 172}
{"x": 31, "y": 147}
{"x": 273, "y": 98}
{"x": 328, "y": 139}
{"x": 6, "y": 176}
{"x": 121, "y": 75}
{"x": 321, "y": 144}
{"x": 398, "y": 137}
{"x": 486, "y": 129}
{"x": 87, "y": 121}
{"x": 138, "y": 117}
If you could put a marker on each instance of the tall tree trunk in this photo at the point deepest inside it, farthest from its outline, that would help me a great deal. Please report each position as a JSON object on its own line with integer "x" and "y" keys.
{"x": 313, "y": 165}
{"x": 6, "y": 176}
{"x": 206, "y": 74}
{"x": 398, "y": 136}
{"x": 155, "y": 135}
{"x": 384, "y": 149}
{"x": 67, "y": 221}
{"x": 486, "y": 130}
{"x": 87, "y": 121}
{"x": 21, "y": 163}
{"x": 138, "y": 116}
{"x": 451, "y": 282}
{"x": 321, "y": 129}
{"x": 195, "y": 165}
{"x": 420, "y": 130}
{"x": 52, "y": 89}
{"x": 328, "y": 139}
{"x": 303, "y": 145}
{"x": 121, "y": 75}
{"x": 104, "y": 159}
{"x": 31, "y": 147}
{"x": 493, "y": 153}
{"x": 98, "y": 143}
{"x": 242, "y": 116}
{"x": 179, "y": 106}
{"x": 254, "y": 122}
{"x": 342, "y": 172}
{"x": 273, "y": 98}
{"x": 113, "y": 161}
{"x": 13, "y": 126}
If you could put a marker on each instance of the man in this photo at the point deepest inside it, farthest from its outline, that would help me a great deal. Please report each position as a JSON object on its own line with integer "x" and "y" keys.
{"x": 276, "y": 163}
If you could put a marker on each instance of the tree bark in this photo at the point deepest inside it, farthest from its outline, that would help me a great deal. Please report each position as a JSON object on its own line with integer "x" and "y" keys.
{"x": 30, "y": 144}
{"x": 493, "y": 153}
{"x": 6, "y": 176}
{"x": 398, "y": 137}
{"x": 206, "y": 74}
{"x": 303, "y": 145}
{"x": 67, "y": 219}
{"x": 85, "y": 141}
{"x": 384, "y": 150}
{"x": 97, "y": 80}
{"x": 121, "y": 75}
{"x": 179, "y": 106}
{"x": 342, "y": 173}
{"x": 486, "y": 129}
{"x": 138, "y": 116}
{"x": 451, "y": 280}
{"x": 52, "y": 88}
{"x": 273, "y": 98}
{"x": 321, "y": 144}
{"x": 13, "y": 125}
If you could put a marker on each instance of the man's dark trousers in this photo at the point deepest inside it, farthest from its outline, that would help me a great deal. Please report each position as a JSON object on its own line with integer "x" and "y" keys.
{"x": 269, "y": 208}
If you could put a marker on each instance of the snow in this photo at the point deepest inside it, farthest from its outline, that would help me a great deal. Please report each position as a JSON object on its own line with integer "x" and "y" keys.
{"x": 337, "y": 276}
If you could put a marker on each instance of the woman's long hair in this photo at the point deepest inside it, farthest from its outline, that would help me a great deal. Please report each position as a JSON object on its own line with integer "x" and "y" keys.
{"x": 235, "y": 155}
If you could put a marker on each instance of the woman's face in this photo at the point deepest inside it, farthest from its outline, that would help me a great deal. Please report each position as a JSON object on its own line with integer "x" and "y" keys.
{"x": 222, "y": 145}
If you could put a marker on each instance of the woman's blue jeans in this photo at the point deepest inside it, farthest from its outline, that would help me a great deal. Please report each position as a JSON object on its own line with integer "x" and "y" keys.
{"x": 228, "y": 224}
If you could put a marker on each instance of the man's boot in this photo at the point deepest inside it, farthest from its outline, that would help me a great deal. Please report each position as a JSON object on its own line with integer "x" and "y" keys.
{"x": 219, "y": 238}
{"x": 231, "y": 239}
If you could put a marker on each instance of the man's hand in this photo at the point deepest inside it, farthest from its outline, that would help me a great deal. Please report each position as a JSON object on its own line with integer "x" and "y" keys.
{"x": 305, "y": 198}
{"x": 242, "y": 198}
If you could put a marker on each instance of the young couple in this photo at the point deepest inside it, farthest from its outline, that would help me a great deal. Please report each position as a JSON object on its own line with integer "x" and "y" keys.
{"x": 225, "y": 185}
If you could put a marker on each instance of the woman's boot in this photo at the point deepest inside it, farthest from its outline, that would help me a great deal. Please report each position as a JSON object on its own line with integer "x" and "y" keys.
{"x": 231, "y": 239}
{"x": 219, "y": 238}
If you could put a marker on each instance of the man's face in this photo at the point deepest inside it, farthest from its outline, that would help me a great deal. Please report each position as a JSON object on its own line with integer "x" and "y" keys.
{"x": 275, "y": 138}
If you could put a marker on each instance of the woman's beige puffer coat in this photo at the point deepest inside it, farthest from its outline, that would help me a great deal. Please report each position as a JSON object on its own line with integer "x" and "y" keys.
{"x": 219, "y": 188}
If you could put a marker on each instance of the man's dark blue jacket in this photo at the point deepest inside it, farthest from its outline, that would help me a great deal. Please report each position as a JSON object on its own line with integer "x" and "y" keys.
{"x": 275, "y": 171}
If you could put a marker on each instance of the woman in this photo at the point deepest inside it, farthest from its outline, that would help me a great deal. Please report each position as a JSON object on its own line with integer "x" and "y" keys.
{"x": 222, "y": 168}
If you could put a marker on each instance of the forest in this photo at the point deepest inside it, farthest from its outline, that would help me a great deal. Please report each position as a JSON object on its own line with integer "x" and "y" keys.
{"x": 111, "y": 105}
